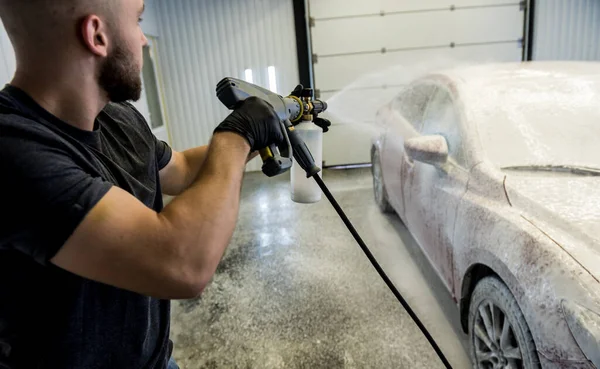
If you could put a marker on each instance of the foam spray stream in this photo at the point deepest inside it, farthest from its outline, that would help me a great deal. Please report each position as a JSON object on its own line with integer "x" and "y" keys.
{"x": 231, "y": 92}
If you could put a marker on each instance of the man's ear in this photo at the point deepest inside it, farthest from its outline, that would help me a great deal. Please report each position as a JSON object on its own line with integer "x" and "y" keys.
{"x": 94, "y": 35}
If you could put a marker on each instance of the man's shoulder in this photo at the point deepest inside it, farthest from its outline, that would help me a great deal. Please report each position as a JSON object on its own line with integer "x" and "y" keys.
{"x": 21, "y": 131}
{"x": 14, "y": 119}
{"x": 123, "y": 110}
{"x": 21, "y": 135}
{"x": 125, "y": 115}
{"x": 124, "y": 121}
{"x": 9, "y": 109}
{"x": 123, "y": 107}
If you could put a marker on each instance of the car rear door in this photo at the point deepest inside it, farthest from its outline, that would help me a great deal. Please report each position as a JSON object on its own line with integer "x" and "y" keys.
{"x": 407, "y": 116}
{"x": 432, "y": 194}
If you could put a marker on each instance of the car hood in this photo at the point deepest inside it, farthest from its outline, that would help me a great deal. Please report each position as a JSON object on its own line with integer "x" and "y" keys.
{"x": 564, "y": 206}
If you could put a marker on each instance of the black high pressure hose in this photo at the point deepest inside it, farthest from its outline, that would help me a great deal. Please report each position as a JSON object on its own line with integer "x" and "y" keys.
{"x": 232, "y": 91}
{"x": 379, "y": 270}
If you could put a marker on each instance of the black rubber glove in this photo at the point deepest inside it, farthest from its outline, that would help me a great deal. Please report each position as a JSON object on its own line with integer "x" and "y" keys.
{"x": 256, "y": 121}
{"x": 321, "y": 122}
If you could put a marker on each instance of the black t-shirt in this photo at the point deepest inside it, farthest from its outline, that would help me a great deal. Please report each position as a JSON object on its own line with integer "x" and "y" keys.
{"x": 51, "y": 175}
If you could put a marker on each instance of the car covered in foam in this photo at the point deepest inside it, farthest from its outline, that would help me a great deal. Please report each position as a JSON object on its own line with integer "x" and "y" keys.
{"x": 495, "y": 171}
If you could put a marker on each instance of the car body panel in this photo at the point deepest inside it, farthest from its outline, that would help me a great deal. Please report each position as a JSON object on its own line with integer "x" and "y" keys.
{"x": 570, "y": 205}
{"x": 538, "y": 272}
{"x": 433, "y": 226}
{"x": 425, "y": 186}
{"x": 392, "y": 162}
{"x": 400, "y": 129}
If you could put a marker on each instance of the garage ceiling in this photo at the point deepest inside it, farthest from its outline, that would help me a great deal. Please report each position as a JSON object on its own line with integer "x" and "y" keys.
{"x": 360, "y": 48}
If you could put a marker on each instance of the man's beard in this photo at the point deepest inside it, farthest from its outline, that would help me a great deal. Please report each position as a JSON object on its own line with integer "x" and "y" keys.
{"x": 120, "y": 78}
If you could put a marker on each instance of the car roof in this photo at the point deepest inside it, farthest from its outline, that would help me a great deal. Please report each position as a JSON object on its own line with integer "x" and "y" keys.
{"x": 526, "y": 74}
{"x": 495, "y": 94}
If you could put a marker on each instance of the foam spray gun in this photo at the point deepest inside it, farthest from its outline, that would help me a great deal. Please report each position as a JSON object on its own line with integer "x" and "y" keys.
{"x": 278, "y": 160}
{"x": 291, "y": 110}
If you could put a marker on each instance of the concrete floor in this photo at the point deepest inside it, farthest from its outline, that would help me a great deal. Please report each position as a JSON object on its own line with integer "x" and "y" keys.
{"x": 295, "y": 291}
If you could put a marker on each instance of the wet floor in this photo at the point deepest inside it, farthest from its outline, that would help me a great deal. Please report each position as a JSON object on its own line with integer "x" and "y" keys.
{"x": 295, "y": 291}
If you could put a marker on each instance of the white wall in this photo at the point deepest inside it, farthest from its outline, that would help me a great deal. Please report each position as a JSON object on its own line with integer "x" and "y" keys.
{"x": 566, "y": 30}
{"x": 149, "y": 26}
{"x": 199, "y": 43}
{"x": 151, "y": 29}
{"x": 7, "y": 58}
{"x": 150, "y": 23}
{"x": 7, "y": 55}
{"x": 204, "y": 41}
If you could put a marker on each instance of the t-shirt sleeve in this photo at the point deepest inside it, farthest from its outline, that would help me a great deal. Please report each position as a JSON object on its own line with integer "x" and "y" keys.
{"x": 163, "y": 151}
{"x": 49, "y": 193}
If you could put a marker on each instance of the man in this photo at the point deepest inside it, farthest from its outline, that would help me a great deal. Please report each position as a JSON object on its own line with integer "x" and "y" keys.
{"x": 84, "y": 238}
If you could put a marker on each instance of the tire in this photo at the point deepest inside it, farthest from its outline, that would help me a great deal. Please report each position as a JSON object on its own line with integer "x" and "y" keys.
{"x": 381, "y": 197}
{"x": 499, "y": 336}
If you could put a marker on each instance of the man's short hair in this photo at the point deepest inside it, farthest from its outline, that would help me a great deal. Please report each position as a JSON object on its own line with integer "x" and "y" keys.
{"x": 37, "y": 23}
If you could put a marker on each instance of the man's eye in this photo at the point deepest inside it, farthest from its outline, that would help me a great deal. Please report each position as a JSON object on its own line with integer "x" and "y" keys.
{"x": 140, "y": 20}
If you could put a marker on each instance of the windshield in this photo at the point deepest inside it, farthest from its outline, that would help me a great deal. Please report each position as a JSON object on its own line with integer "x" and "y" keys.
{"x": 540, "y": 119}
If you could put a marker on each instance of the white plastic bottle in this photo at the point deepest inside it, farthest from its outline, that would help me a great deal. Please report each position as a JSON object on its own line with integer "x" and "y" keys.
{"x": 305, "y": 190}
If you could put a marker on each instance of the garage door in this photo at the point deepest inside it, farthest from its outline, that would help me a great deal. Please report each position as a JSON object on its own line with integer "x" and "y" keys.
{"x": 364, "y": 51}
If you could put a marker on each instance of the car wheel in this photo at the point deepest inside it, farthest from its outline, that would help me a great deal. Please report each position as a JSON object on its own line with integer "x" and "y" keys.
{"x": 381, "y": 197}
{"x": 498, "y": 333}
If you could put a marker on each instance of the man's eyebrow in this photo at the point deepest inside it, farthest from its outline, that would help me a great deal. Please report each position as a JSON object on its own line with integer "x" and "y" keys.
{"x": 143, "y": 9}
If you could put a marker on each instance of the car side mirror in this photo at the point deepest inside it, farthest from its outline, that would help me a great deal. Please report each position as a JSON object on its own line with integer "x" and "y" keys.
{"x": 427, "y": 149}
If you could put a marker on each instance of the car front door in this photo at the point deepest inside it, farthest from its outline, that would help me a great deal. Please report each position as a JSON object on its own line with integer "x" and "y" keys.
{"x": 407, "y": 116}
{"x": 432, "y": 194}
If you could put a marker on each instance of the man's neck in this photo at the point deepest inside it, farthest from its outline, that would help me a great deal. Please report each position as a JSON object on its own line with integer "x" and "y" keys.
{"x": 76, "y": 102}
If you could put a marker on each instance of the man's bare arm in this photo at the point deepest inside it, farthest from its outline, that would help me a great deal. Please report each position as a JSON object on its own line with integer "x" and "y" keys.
{"x": 172, "y": 254}
{"x": 183, "y": 168}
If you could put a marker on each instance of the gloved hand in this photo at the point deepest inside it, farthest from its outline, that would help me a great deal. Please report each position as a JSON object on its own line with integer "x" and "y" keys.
{"x": 323, "y": 123}
{"x": 256, "y": 121}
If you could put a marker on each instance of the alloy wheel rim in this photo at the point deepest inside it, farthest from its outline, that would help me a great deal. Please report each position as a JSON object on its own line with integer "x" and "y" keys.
{"x": 495, "y": 342}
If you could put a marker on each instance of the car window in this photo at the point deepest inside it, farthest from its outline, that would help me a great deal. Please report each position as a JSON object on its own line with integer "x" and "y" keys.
{"x": 411, "y": 103}
{"x": 441, "y": 118}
